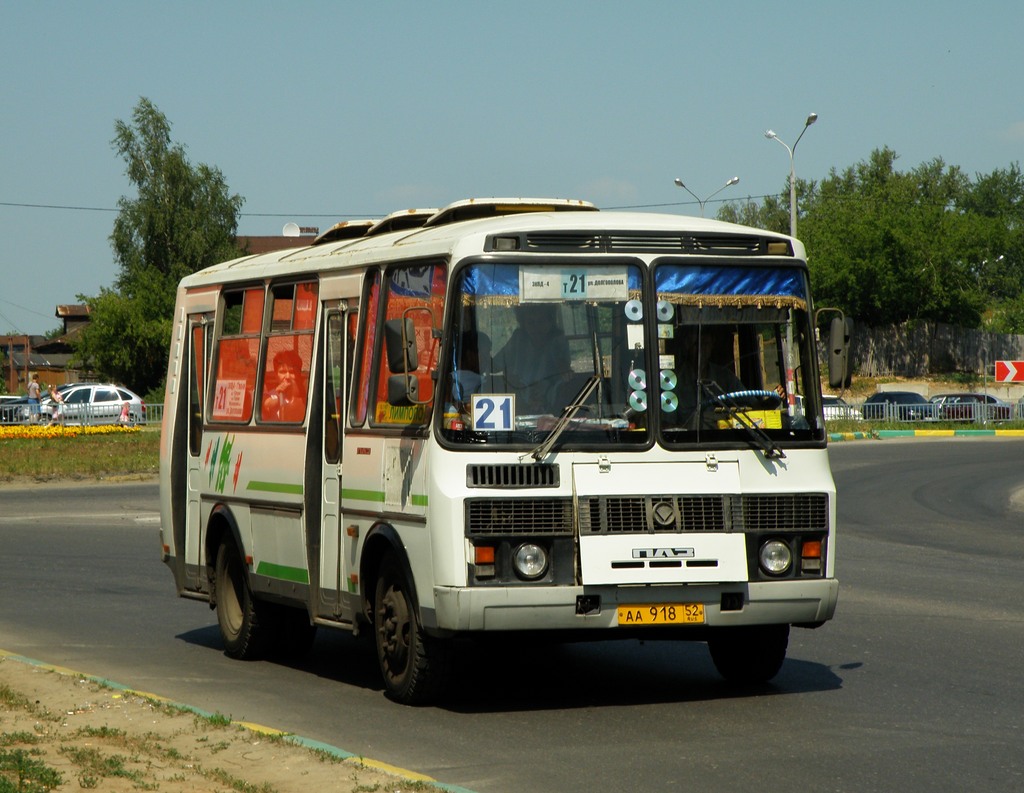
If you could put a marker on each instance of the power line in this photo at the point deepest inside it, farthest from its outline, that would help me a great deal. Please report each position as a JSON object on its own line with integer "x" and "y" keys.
{"x": 241, "y": 214}
{"x": 72, "y": 208}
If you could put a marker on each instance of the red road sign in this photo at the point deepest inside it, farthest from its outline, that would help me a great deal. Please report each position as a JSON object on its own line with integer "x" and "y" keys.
{"x": 1009, "y": 371}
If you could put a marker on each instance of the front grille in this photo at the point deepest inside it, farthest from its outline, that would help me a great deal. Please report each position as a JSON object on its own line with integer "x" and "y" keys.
{"x": 537, "y": 516}
{"x": 712, "y": 513}
{"x": 797, "y": 511}
{"x": 612, "y": 515}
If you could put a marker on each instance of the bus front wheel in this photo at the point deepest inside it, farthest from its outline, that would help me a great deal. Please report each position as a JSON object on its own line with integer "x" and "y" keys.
{"x": 237, "y": 614}
{"x": 751, "y": 654}
{"x": 411, "y": 662}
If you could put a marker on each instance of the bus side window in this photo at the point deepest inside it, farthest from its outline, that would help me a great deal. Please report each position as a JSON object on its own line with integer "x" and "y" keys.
{"x": 237, "y": 354}
{"x": 340, "y": 334}
{"x": 289, "y": 353}
{"x": 416, "y": 294}
{"x": 367, "y": 341}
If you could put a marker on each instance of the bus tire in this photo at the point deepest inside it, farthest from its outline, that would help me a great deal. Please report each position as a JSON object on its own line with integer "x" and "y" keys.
{"x": 411, "y": 662}
{"x": 241, "y": 628}
{"x": 749, "y": 655}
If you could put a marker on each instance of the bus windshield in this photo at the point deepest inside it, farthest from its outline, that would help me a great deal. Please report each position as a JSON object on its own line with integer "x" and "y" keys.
{"x": 718, "y": 353}
{"x": 735, "y": 354}
{"x": 534, "y": 344}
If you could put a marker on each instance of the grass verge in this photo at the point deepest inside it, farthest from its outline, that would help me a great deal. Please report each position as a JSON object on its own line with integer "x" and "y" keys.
{"x": 44, "y": 453}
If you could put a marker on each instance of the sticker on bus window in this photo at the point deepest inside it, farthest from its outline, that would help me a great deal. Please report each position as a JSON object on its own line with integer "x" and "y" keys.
{"x": 574, "y": 283}
{"x": 229, "y": 399}
{"x": 493, "y": 412}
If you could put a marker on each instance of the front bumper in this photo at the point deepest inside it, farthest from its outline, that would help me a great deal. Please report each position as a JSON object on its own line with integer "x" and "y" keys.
{"x": 464, "y": 609}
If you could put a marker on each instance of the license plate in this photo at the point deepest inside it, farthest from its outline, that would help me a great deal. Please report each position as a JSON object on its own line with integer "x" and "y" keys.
{"x": 662, "y": 614}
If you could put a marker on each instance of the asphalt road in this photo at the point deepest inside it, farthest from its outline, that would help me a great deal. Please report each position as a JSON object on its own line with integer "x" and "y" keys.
{"x": 916, "y": 685}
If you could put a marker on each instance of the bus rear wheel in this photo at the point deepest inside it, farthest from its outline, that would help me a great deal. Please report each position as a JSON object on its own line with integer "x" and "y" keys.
{"x": 237, "y": 610}
{"x": 751, "y": 654}
{"x": 411, "y": 662}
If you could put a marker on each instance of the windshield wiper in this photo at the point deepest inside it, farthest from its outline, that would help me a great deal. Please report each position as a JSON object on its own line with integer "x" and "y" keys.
{"x": 737, "y": 410}
{"x": 568, "y": 412}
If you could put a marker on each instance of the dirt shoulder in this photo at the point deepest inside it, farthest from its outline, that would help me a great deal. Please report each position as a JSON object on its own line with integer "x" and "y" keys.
{"x": 57, "y": 724}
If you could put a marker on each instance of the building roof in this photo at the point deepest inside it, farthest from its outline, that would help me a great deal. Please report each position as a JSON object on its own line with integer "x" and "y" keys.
{"x": 258, "y": 245}
{"x": 72, "y": 311}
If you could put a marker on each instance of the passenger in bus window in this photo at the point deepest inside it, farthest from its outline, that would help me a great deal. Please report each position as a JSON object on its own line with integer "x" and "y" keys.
{"x": 287, "y": 402}
{"x": 535, "y": 359}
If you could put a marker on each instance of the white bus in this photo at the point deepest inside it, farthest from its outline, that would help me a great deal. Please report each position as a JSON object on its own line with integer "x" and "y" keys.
{"x": 505, "y": 416}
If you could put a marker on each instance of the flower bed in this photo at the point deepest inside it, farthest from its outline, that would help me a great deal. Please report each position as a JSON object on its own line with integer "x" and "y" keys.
{"x": 29, "y": 431}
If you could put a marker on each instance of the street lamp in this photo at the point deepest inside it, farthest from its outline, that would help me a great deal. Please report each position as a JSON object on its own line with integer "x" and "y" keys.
{"x": 730, "y": 183}
{"x": 770, "y": 134}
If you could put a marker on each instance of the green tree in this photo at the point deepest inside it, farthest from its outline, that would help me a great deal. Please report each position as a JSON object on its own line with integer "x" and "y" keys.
{"x": 995, "y": 203}
{"x": 889, "y": 246}
{"x": 182, "y": 220}
{"x": 771, "y": 214}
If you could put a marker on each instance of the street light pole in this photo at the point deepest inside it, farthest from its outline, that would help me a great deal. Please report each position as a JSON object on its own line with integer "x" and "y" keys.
{"x": 770, "y": 134}
{"x": 730, "y": 183}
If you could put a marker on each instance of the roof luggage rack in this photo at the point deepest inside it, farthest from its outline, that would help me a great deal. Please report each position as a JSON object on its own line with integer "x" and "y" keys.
{"x": 402, "y": 220}
{"x": 475, "y": 208}
{"x": 346, "y": 230}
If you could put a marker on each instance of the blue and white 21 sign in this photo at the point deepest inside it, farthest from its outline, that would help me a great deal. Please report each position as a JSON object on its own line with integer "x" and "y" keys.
{"x": 493, "y": 412}
{"x": 1009, "y": 371}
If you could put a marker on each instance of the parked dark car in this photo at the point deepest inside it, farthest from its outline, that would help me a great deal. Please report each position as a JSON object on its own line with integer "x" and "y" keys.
{"x": 896, "y": 406}
{"x": 14, "y": 411}
{"x": 971, "y": 407}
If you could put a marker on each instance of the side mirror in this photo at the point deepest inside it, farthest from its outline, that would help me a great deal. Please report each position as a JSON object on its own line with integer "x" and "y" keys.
{"x": 403, "y": 390}
{"x": 839, "y": 374}
{"x": 400, "y": 342}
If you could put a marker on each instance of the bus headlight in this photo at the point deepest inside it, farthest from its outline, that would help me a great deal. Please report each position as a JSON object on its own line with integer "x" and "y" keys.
{"x": 530, "y": 561}
{"x": 776, "y": 557}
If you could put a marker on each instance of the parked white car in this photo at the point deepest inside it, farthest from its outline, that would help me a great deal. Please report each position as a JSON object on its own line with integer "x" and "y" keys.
{"x": 96, "y": 403}
{"x": 836, "y": 408}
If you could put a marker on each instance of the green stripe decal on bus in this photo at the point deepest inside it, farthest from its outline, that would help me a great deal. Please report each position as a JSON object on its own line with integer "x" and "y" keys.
{"x": 377, "y": 496}
{"x": 275, "y": 487}
{"x": 285, "y": 573}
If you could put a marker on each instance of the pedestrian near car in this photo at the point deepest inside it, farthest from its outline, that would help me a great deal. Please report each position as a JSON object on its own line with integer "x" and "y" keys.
{"x": 58, "y": 405}
{"x": 33, "y": 398}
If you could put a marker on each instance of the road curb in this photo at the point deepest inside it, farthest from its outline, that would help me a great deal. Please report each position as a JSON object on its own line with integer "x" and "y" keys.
{"x": 297, "y": 740}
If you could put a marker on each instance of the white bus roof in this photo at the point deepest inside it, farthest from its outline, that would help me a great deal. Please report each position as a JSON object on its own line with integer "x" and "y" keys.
{"x": 565, "y": 226}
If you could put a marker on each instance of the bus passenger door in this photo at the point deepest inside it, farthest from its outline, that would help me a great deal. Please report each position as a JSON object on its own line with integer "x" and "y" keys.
{"x": 339, "y": 334}
{"x": 200, "y": 326}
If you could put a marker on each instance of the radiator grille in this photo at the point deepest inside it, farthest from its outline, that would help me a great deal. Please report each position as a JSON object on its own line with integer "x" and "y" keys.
{"x": 487, "y": 516}
{"x": 799, "y": 511}
{"x": 717, "y": 513}
{"x": 649, "y": 514}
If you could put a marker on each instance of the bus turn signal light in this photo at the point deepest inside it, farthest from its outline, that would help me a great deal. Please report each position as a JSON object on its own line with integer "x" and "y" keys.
{"x": 483, "y": 554}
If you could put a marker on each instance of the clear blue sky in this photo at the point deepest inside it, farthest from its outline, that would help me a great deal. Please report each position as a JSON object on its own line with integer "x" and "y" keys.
{"x": 318, "y": 111}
